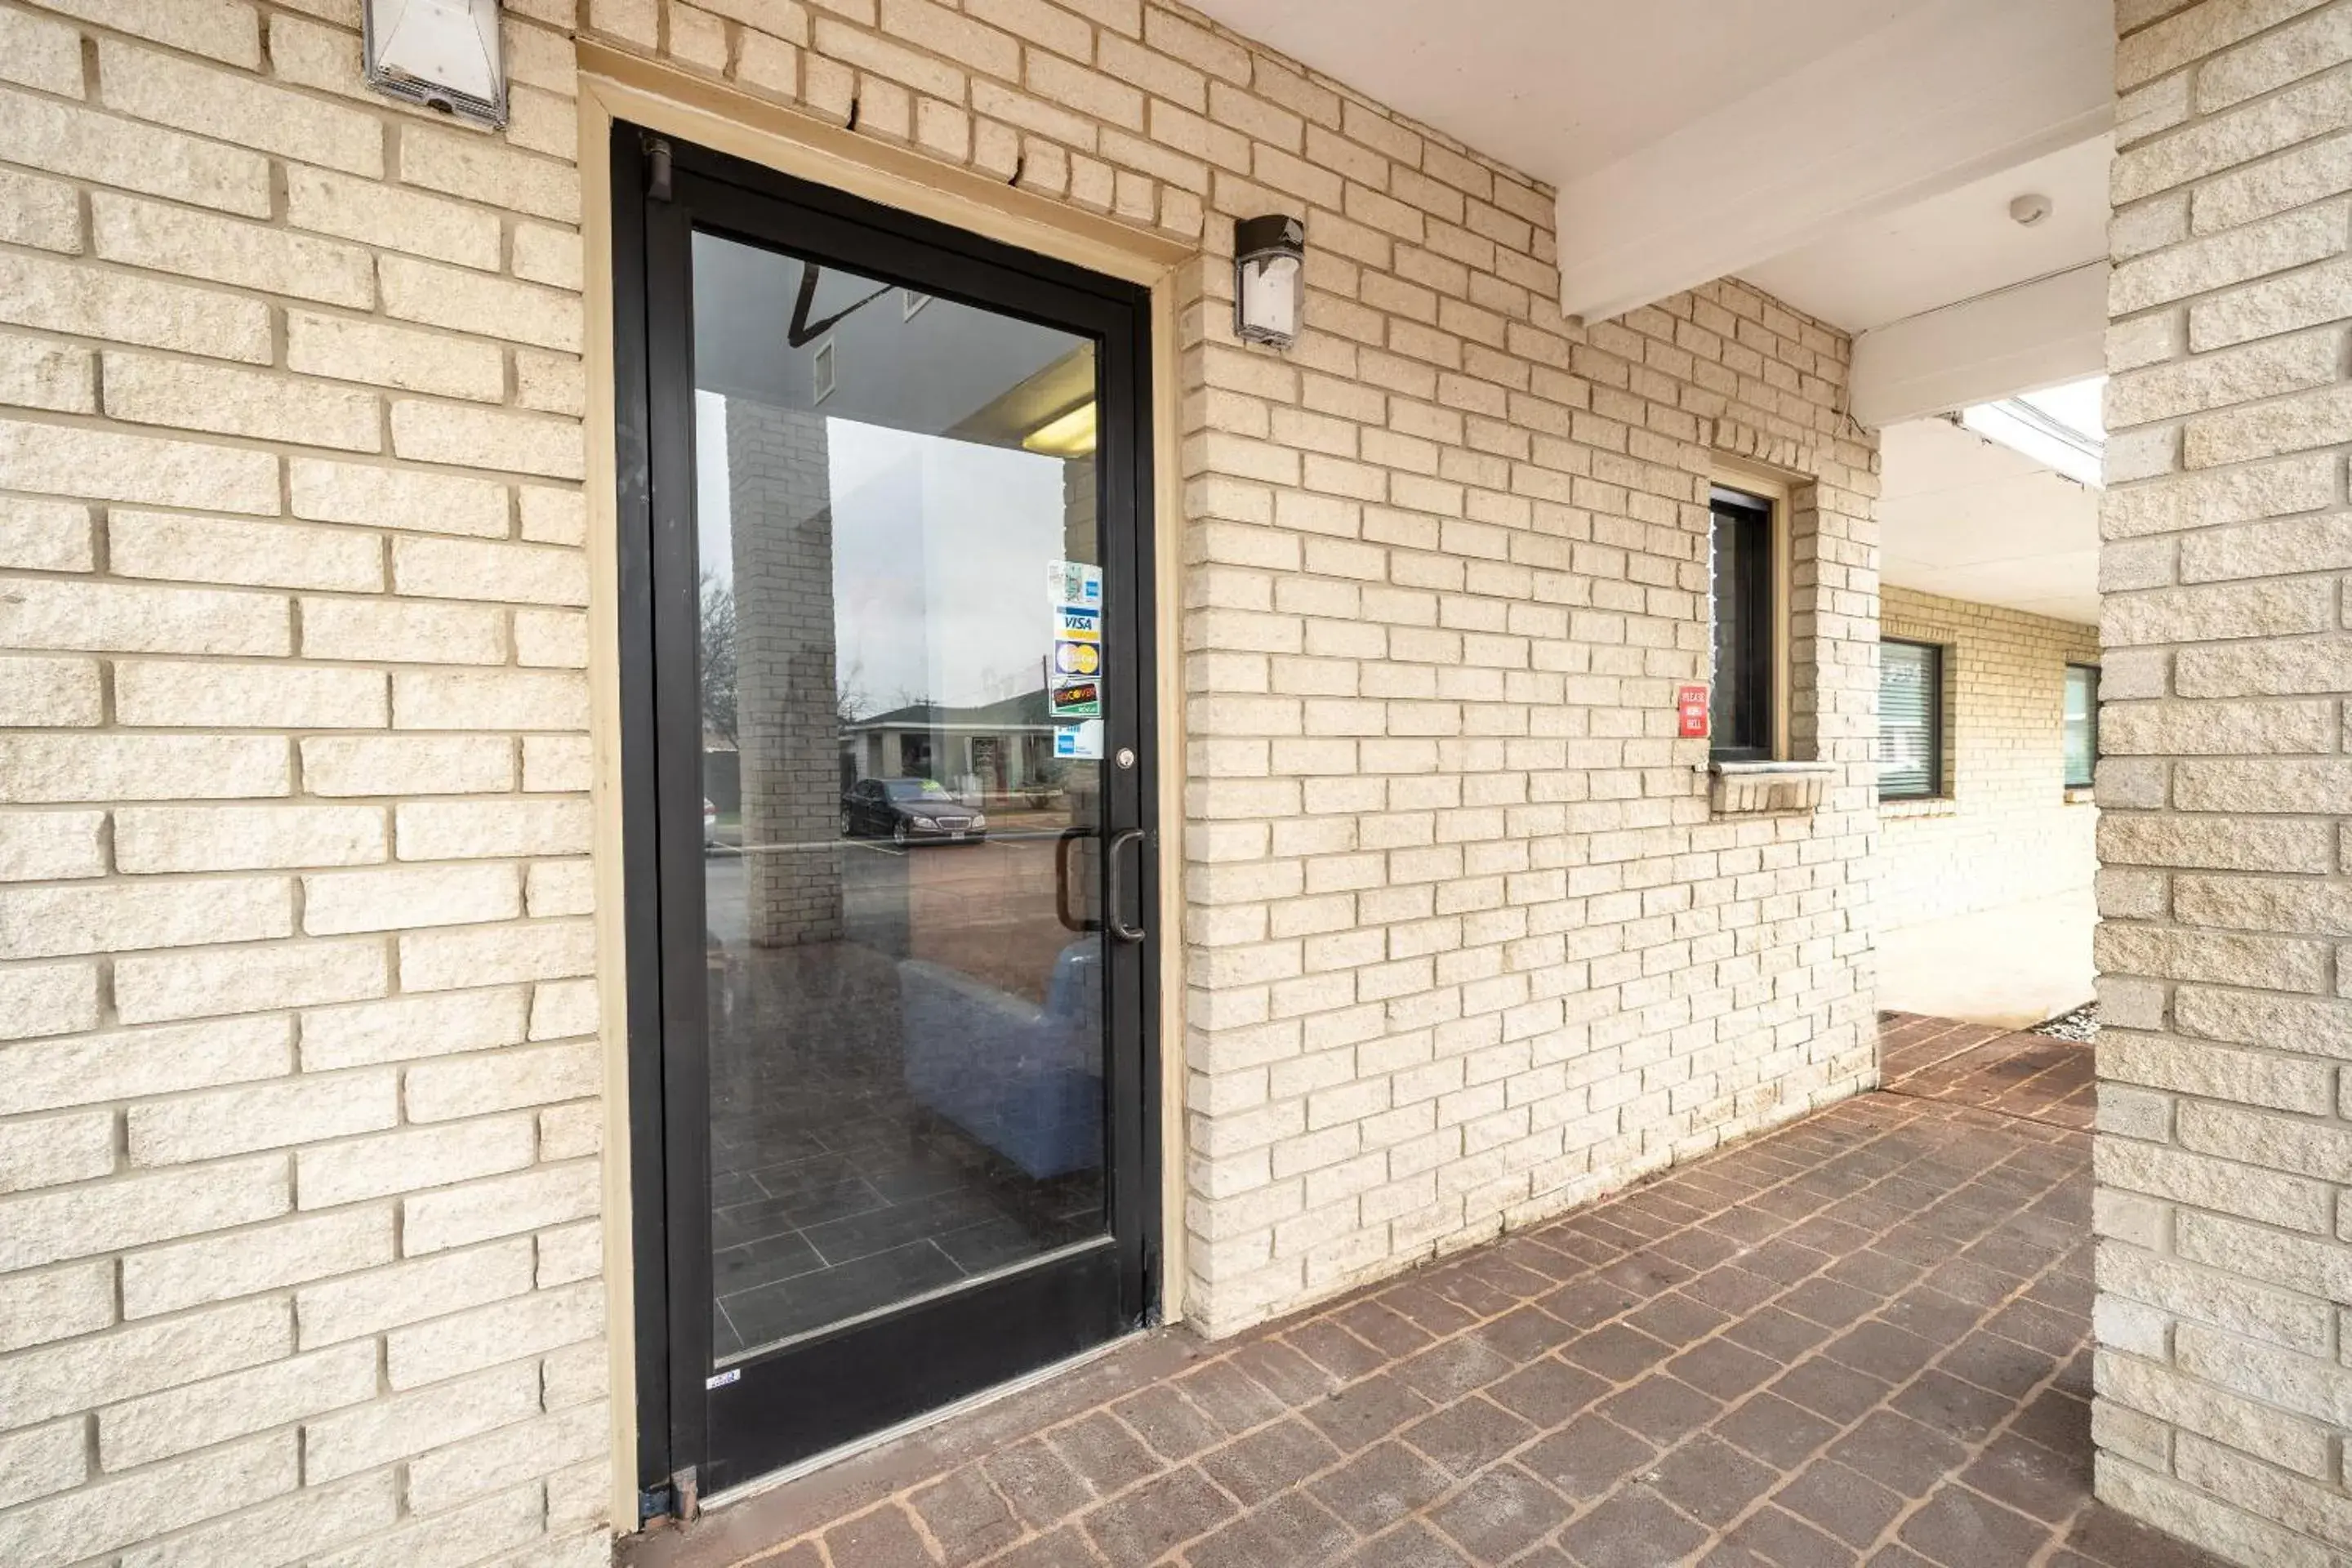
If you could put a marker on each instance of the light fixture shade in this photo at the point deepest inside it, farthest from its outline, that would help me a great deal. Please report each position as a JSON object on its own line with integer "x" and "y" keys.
{"x": 443, "y": 54}
{"x": 1269, "y": 279}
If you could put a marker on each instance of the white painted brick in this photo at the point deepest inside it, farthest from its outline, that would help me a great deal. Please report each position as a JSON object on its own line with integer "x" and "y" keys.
{"x": 262, "y": 1116}
{"x": 97, "y": 1519}
{"x": 161, "y": 238}
{"x": 490, "y": 699}
{"x": 551, "y": 516}
{"x": 126, "y": 1063}
{"x": 526, "y": 574}
{"x": 258, "y": 1258}
{"x": 471, "y": 1084}
{"x": 391, "y": 497}
{"x": 187, "y": 549}
{"x": 451, "y": 830}
{"x": 570, "y": 1132}
{"x": 49, "y": 1151}
{"x": 49, "y": 693}
{"x": 496, "y": 955}
{"x": 53, "y": 1225}
{"x": 399, "y": 631}
{"x": 403, "y": 1028}
{"x": 38, "y": 212}
{"x": 48, "y": 922}
{"x": 381, "y": 355}
{"x": 40, "y": 53}
{"x": 212, "y": 981}
{"x": 560, "y": 888}
{"x": 504, "y": 1206}
{"x": 401, "y": 897}
{"x": 488, "y": 438}
{"x": 41, "y": 1459}
{"x": 501, "y": 1458}
{"x": 565, "y": 1253}
{"x": 413, "y": 1159}
{"x": 39, "y": 846}
{"x": 468, "y": 301}
{"x": 220, "y": 400}
{"x": 113, "y": 466}
{"x": 499, "y": 1521}
{"x": 42, "y": 373}
{"x": 247, "y": 838}
{"x": 315, "y": 1519}
{"x": 369, "y": 1303}
{"x": 406, "y": 764}
{"x": 59, "y": 613}
{"x": 163, "y": 1425}
{"x": 54, "y": 1304}
{"x": 405, "y": 1424}
{"x": 558, "y": 763}
{"x": 505, "y": 1331}
{"x": 562, "y": 1008}
{"x": 46, "y": 536}
{"x": 555, "y": 638}
{"x": 250, "y": 696}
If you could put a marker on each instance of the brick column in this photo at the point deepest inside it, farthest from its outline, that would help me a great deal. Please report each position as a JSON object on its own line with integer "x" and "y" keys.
{"x": 2226, "y": 786}
{"x": 780, "y": 497}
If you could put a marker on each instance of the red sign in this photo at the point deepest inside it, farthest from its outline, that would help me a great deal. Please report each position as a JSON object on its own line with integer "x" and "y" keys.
{"x": 1690, "y": 702}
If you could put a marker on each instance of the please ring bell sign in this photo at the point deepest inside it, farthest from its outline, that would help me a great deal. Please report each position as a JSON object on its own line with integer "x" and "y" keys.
{"x": 1690, "y": 703}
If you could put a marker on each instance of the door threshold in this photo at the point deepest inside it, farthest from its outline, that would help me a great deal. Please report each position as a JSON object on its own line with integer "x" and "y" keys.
{"x": 759, "y": 1485}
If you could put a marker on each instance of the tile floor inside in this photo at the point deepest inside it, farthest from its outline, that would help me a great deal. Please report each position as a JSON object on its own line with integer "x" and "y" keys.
{"x": 1860, "y": 1339}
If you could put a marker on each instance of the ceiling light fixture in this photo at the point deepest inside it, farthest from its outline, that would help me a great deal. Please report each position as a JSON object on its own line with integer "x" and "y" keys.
{"x": 1068, "y": 435}
{"x": 2030, "y": 208}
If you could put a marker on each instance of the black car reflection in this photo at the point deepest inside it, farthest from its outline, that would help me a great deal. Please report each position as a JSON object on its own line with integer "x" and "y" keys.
{"x": 909, "y": 811}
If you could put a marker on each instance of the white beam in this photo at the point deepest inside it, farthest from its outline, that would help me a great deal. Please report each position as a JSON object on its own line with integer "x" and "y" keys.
{"x": 1997, "y": 346}
{"x": 1950, "y": 91}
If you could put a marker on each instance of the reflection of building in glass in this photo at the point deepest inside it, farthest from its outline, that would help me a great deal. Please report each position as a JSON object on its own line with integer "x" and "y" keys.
{"x": 992, "y": 750}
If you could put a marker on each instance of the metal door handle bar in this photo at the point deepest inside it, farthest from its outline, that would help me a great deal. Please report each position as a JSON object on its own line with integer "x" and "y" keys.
{"x": 1114, "y": 910}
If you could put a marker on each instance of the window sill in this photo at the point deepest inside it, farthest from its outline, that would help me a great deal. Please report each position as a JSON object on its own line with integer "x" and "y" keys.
{"x": 1768, "y": 789}
{"x": 1920, "y": 805}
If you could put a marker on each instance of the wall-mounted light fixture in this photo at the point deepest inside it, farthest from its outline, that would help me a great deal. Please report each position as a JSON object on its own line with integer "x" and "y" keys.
{"x": 1269, "y": 279}
{"x": 443, "y": 54}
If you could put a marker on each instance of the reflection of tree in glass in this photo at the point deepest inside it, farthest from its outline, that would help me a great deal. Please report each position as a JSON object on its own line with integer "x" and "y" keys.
{"x": 718, "y": 638}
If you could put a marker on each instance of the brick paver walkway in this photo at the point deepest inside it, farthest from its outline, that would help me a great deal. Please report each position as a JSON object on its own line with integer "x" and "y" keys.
{"x": 1860, "y": 1339}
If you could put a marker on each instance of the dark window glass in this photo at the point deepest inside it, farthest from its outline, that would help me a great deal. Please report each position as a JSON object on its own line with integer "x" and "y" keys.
{"x": 1742, "y": 703}
{"x": 2082, "y": 723}
{"x": 1910, "y": 720}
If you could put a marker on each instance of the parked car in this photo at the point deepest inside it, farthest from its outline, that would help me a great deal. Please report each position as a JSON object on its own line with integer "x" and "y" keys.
{"x": 909, "y": 810}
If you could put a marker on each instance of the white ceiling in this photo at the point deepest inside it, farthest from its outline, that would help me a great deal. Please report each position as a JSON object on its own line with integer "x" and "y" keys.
{"x": 1968, "y": 519}
{"x": 1951, "y": 246}
{"x": 1555, "y": 88}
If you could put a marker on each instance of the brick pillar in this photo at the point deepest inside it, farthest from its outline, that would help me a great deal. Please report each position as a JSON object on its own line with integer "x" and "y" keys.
{"x": 2225, "y": 789}
{"x": 780, "y": 494}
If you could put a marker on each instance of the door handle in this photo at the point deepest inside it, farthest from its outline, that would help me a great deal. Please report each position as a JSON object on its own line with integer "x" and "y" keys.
{"x": 1061, "y": 880}
{"x": 1114, "y": 916}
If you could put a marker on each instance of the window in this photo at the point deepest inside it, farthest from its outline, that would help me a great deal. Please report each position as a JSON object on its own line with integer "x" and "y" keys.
{"x": 2082, "y": 724}
{"x": 1745, "y": 617}
{"x": 1910, "y": 720}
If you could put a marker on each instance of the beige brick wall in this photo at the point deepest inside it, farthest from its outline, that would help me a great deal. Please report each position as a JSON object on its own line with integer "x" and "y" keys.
{"x": 2004, "y": 830}
{"x": 302, "y": 1119}
{"x": 299, "y": 1104}
{"x": 2226, "y": 1246}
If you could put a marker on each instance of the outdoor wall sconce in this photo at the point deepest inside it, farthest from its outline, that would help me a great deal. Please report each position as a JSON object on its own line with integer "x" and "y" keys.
{"x": 443, "y": 54}
{"x": 1269, "y": 279}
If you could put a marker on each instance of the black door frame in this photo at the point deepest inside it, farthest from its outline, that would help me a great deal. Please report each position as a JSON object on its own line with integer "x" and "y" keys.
{"x": 663, "y": 189}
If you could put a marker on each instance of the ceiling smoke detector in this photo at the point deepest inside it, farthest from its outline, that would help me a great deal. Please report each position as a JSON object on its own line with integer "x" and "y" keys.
{"x": 2030, "y": 208}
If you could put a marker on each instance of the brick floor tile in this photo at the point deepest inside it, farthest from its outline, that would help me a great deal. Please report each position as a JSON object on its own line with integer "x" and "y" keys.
{"x": 1831, "y": 1303}
{"x": 1711, "y": 1480}
{"x": 1503, "y": 1512}
{"x": 965, "y": 1516}
{"x": 1548, "y": 1392}
{"x": 1147, "y": 1523}
{"x": 1230, "y": 1398}
{"x": 1723, "y": 1370}
{"x": 1468, "y": 1436}
{"x": 1385, "y": 1329}
{"x": 2055, "y": 1420}
{"x": 1897, "y": 1452}
{"x": 1960, "y": 1529}
{"x": 1959, "y": 1409}
{"x": 1588, "y": 1302}
{"x": 1634, "y": 1529}
{"x": 1427, "y": 1309}
{"x": 2029, "y": 1479}
{"x": 1269, "y": 1460}
{"x": 1289, "y": 1533}
{"x": 1782, "y": 1335}
{"x": 1615, "y": 1352}
{"x": 1451, "y": 1368}
{"x": 1365, "y": 1412}
{"x": 1882, "y": 1351}
{"x": 1661, "y": 1408}
{"x": 1830, "y": 1388}
{"x": 1106, "y": 1453}
{"x": 1774, "y": 1430}
{"x": 1065, "y": 1548}
{"x": 1171, "y": 1424}
{"x": 1676, "y": 1317}
{"x": 2003, "y": 1366}
{"x": 1411, "y": 1545}
{"x": 884, "y": 1538}
{"x": 1381, "y": 1485}
{"x": 1843, "y": 1501}
{"x": 1588, "y": 1456}
{"x": 2107, "y": 1538}
{"x": 1284, "y": 1373}
{"x": 1783, "y": 1539}
{"x": 1041, "y": 1488}
{"x": 1331, "y": 1347}
{"x": 1519, "y": 1336}
{"x": 1731, "y": 1289}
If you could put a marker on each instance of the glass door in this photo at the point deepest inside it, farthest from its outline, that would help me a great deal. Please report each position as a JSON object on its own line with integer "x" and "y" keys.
{"x": 896, "y": 704}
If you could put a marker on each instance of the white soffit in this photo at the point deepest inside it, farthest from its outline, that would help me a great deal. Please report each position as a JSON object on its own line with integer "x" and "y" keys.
{"x": 2036, "y": 334}
{"x": 1968, "y": 519}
